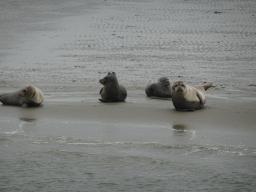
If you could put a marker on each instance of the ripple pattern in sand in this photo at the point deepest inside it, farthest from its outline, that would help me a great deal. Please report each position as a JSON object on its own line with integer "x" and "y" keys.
{"x": 142, "y": 40}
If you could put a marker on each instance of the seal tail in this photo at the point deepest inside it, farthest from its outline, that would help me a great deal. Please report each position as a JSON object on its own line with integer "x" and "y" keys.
{"x": 206, "y": 85}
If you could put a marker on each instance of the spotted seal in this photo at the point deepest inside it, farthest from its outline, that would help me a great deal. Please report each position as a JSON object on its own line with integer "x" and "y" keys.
{"x": 112, "y": 90}
{"x": 188, "y": 98}
{"x": 27, "y": 97}
{"x": 160, "y": 89}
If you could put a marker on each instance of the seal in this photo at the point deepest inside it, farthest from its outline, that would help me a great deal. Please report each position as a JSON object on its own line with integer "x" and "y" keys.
{"x": 27, "y": 97}
{"x": 160, "y": 89}
{"x": 112, "y": 90}
{"x": 188, "y": 98}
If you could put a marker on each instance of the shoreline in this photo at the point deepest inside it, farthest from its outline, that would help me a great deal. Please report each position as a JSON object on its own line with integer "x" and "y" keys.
{"x": 220, "y": 122}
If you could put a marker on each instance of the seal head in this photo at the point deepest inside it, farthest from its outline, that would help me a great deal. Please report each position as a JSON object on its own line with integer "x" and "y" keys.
{"x": 164, "y": 82}
{"x": 32, "y": 94}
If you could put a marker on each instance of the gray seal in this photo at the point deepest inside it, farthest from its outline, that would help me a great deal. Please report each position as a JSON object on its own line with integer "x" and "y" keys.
{"x": 188, "y": 98}
{"x": 27, "y": 97}
{"x": 112, "y": 90}
{"x": 160, "y": 89}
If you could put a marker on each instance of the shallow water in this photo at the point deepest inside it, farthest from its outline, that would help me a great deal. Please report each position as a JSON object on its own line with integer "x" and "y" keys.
{"x": 62, "y": 155}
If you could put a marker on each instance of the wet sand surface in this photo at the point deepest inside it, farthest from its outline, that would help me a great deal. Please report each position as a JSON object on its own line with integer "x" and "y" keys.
{"x": 221, "y": 122}
{"x": 74, "y": 142}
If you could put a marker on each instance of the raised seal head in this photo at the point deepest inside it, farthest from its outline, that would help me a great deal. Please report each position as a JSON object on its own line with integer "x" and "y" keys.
{"x": 109, "y": 80}
{"x": 164, "y": 81}
{"x": 179, "y": 86}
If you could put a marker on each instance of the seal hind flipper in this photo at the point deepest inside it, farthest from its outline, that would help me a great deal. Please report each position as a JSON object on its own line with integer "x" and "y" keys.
{"x": 206, "y": 85}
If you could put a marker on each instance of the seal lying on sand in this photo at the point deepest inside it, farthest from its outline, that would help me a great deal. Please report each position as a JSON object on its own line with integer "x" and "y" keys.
{"x": 160, "y": 89}
{"x": 112, "y": 91}
{"x": 27, "y": 97}
{"x": 188, "y": 98}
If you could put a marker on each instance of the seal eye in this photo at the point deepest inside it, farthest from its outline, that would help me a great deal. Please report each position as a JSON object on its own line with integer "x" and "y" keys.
{"x": 24, "y": 91}
{"x": 182, "y": 85}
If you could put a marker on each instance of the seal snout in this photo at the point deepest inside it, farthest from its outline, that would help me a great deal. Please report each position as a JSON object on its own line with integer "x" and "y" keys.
{"x": 102, "y": 81}
{"x": 167, "y": 83}
{"x": 179, "y": 89}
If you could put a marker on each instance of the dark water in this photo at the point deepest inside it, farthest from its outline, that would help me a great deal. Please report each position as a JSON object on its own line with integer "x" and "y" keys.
{"x": 68, "y": 156}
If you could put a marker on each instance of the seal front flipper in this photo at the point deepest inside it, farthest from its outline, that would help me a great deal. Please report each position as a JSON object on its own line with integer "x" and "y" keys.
{"x": 101, "y": 90}
{"x": 105, "y": 101}
{"x": 198, "y": 94}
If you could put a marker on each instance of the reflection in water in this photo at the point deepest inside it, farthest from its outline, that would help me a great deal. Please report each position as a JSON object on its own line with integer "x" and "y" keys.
{"x": 27, "y": 125}
{"x": 28, "y": 120}
{"x": 179, "y": 127}
{"x": 182, "y": 130}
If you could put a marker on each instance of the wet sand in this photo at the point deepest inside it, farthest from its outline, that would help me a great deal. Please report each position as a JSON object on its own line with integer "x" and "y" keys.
{"x": 220, "y": 122}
